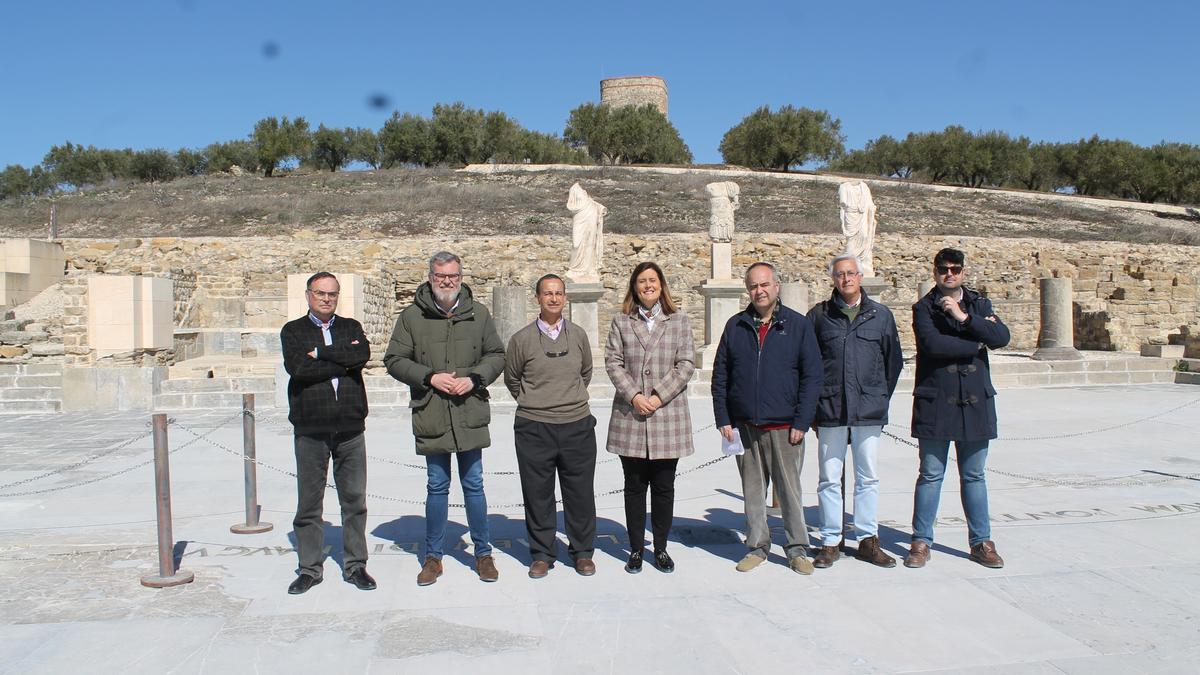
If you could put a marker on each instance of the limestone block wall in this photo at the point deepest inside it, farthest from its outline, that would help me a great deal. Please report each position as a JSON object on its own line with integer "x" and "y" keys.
{"x": 1124, "y": 294}
{"x": 379, "y": 312}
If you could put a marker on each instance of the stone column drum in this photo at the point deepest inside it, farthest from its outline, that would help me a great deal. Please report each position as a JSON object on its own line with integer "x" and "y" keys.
{"x": 509, "y": 310}
{"x": 1056, "y": 342}
{"x": 794, "y": 295}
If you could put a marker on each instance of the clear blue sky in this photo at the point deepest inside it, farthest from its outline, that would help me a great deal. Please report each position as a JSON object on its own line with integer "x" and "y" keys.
{"x": 184, "y": 73}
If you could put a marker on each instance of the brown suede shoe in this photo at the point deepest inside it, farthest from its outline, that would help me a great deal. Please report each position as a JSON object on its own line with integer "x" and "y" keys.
{"x": 539, "y": 569}
{"x": 918, "y": 554}
{"x": 430, "y": 571}
{"x": 486, "y": 567}
{"x": 585, "y": 567}
{"x": 826, "y": 556}
{"x": 868, "y": 550}
{"x": 985, "y": 554}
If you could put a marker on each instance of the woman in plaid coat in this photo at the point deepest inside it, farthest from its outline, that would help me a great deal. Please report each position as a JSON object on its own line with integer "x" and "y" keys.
{"x": 650, "y": 358}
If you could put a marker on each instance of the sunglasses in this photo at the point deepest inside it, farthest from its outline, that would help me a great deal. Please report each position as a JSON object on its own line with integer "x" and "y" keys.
{"x": 554, "y": 354}
{"x": 950, "y": 269}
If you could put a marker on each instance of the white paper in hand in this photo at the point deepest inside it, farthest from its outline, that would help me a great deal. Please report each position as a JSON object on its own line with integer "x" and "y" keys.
{"x": 733, "y": 447}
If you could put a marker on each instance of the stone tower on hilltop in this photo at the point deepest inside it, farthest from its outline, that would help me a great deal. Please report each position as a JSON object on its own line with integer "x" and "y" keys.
{"x": 637, "y": 91}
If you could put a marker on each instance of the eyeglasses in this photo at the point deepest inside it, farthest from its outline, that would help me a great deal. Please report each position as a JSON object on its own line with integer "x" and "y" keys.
{"x": 950, "y": 269}
{"x": 845, "y": 275}
{"x": 438, "y": 276}
{"x": 550, "y": 354}
{"x": 325, "y": 295}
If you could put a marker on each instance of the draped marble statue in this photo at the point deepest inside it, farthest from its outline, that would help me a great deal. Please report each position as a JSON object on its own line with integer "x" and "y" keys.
{"x": 587, "y": 228}
{"x": 723, "y": 201}
{"x": 858, "y": 222}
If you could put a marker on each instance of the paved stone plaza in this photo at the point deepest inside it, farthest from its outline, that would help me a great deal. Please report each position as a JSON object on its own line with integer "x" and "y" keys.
{"x": 1095, "y": 496}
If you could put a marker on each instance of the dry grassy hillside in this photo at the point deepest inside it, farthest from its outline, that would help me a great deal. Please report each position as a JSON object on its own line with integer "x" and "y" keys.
{"x": 395, "y": 203}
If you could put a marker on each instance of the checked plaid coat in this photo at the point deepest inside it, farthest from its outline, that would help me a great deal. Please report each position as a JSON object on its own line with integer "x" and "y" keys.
{"x": 650, "y": 362}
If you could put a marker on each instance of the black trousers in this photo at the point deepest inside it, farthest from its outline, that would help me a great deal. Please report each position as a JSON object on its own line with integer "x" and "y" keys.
{"x": 659, "y": 476}
{"x": 569, "y": 450}
{"x": 349, "y": 454}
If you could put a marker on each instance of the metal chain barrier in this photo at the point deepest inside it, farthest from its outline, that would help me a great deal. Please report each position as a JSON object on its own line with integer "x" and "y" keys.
{"x": 221, "y": 446}
{"x": 126, "y": 470}
{"x": 71, "y": 467}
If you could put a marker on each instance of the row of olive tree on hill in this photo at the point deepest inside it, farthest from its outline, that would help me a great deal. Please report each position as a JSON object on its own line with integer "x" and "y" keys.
{"x": 453, "y": 135}
{"x": 1167, "y": 172}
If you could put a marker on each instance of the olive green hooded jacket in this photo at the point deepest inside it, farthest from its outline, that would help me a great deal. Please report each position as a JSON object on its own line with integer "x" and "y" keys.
{"x": 424, "y": 342}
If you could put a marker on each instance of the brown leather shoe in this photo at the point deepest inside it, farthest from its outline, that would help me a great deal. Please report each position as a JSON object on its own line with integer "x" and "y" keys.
{"x": 869, "y": 550}
{"x": 918, "y": 554}
{"x": 430, "y": 571}
{"x": 539, "y": 569}
{"x": 585, "y": 567}
{"x": 826, "y": 556}
{"x": 486, "y": 567}
{"x": 985, "y": 554}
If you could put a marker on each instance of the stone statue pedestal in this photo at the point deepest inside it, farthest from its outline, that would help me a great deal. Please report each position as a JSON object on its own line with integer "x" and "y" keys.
{"x": 875, "y": 286}
{"x": 1056, "y": 341}
{"x": 722, "y": 256}
{"x": 583, "y": 310}
{"x": 722, "y": 299}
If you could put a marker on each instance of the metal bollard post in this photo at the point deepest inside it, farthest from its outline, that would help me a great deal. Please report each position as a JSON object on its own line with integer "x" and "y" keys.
{"x": 252, "y": 524}
{"x": 167, "y": 574}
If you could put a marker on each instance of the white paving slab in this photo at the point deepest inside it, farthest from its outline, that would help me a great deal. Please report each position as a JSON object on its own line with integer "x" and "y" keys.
{"x": 1095, "y": 494}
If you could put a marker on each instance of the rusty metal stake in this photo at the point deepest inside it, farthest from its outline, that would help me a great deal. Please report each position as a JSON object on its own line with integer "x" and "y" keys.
{"x": 252, "y": 524}
{"x": 167, "y": 575}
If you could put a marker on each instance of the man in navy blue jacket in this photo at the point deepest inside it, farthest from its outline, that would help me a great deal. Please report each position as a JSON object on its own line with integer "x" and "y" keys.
{"x": 325, "y": 354}
{"x": 766, "y": 380}
{"x": 953, "y": 400}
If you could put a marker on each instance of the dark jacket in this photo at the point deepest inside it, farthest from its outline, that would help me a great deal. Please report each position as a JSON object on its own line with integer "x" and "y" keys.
{"x": 862, "y": 362}
{"x": 953, "y": 397}
{"x": 426, "y": 341}
{"x": 314, "y": 407}
{"x": 777, "y": 384}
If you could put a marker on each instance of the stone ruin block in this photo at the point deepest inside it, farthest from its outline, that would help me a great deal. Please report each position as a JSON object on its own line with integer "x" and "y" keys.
{"x": 127, "y": 313}
{"x": 28, "y": 267}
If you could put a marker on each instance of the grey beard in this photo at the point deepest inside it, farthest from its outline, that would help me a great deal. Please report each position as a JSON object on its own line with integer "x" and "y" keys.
{"x": 445, "y": 298}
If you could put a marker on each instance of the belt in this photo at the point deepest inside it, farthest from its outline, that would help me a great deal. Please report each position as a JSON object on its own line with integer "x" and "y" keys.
{"x": 962, "y": 370}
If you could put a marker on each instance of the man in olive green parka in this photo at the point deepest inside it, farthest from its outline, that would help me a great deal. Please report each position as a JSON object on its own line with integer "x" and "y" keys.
{"x": 445, "y": 348}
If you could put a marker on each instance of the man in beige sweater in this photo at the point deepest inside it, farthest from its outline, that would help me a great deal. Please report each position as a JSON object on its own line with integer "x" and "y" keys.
{"x": 547, "y": 369}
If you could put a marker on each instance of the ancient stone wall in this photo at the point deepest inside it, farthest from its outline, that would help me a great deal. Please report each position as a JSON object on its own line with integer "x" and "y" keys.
{"x": 1125, "y": 295}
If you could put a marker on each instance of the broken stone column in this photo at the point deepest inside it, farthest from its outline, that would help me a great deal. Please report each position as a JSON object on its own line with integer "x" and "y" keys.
{"x": 794, "y": 295}
{"x": 509, "y": 310}
{"x": 1056, "y": 342}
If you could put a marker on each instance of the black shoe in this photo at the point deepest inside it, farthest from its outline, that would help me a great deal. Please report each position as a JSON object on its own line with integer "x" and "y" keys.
{"x": 361, "y": 579}
{"x": 303, "y": 583}
{"x": 635, "y": 563}
{"x": 663, "y": 562}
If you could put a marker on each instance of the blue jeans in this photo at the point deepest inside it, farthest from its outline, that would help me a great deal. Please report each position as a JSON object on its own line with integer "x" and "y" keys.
{"x": 437, "y": 501}
{"x": 831, "y": 453}
{"x": 972, "y": 462}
